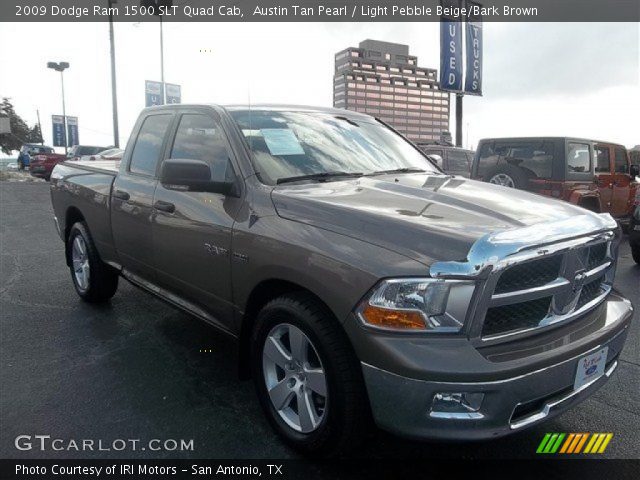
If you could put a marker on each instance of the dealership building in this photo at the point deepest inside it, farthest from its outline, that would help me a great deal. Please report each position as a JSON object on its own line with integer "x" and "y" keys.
{"x": 383, "y": 80}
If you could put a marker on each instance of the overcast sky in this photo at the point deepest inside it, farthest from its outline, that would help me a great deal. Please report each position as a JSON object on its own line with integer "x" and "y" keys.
{"x": 539, "y": 79}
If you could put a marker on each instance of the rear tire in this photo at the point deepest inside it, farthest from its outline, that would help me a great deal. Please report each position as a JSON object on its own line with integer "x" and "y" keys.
{"x": 94, "y": 280}
{"x": 333, "y": 414}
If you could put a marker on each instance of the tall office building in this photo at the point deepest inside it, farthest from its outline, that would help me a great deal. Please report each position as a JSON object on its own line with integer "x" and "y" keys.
{"x": 383, "y": 80}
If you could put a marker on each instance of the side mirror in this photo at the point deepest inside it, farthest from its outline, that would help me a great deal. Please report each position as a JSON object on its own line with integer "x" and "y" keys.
{"x": 634, "y": 171}
{"x": 437, "y": 159}
{"x": 192, "y": 176}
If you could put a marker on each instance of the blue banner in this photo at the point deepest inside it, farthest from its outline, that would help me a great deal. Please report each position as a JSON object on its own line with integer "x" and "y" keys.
{"x": 473, "y": 78}
{"x": 58, "y": 130}
{"x": 72, "y": 131}
{"x": 450, "y": 55}
{"x": 152, "y": 93}
{"x": 173, "y": 92}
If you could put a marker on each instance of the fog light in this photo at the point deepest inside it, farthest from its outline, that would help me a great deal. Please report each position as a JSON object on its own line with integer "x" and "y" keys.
{"x": 460, "y": 405}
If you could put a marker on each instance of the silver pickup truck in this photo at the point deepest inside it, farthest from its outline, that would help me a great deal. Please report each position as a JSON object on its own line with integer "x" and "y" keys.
{"x": 360, "y": 281}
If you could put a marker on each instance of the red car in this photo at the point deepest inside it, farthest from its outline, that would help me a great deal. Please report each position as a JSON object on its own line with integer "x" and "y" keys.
{"x": 42, "y": 165}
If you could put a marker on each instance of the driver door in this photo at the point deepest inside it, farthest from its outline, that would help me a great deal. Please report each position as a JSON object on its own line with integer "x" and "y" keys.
{"x": 192, "y": 230}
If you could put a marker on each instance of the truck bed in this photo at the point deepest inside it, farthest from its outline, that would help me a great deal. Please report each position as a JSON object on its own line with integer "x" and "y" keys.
{"x": 85, "y": 187}
{"x": 98, "y": 166}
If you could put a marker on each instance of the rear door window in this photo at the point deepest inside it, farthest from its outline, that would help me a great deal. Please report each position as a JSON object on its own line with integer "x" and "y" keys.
{"x": 620, "y": 160}
{"x": 147, "y": 149}
{"x": 536, "y": 157}
{"x": 603, "y": 162}
{"x": 578, "y": 158}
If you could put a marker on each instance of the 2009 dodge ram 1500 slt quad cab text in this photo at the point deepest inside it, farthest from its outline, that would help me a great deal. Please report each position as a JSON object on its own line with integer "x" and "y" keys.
{"x": 359, "y": 279}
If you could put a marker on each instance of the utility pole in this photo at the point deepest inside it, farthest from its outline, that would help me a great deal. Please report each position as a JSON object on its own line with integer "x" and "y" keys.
{"x": 114, "y": 94}
{"x": 40, "y": 127}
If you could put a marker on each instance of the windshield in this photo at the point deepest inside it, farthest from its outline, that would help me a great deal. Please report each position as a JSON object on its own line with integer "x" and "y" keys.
{"x": 296, "y": 144}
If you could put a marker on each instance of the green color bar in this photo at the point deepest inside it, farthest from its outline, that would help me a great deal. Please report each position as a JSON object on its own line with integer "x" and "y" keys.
{"x": 558, "y": 442}
{"x": 550, "y": 443}
{"x": 543, "y": 443}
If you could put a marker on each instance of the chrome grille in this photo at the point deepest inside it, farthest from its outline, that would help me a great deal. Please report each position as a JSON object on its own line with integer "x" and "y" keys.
{"x": 547, "y": 289}
{"x": 590, "y": 292}
{"x": 529, "y": 274}
{"x": 597, "y": 255}
{"x": 517, "y": 316}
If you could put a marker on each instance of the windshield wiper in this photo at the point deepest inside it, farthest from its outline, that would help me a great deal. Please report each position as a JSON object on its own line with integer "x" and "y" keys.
{"x": 399, "y": 170}
{"x": 318, "y": 176}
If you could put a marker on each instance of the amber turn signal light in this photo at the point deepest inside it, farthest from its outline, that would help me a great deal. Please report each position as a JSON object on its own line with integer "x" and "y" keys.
{"x": 395, "y": 319}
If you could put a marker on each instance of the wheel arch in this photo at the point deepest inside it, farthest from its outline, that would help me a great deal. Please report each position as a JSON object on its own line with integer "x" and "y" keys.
{"x": 588, "y": 201}
{"x": 260, "y": 295}
{"x": 72, "y": 216}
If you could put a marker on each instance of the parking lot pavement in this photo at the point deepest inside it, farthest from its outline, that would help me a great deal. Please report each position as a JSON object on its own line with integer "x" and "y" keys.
{"x": 135, "y": 369}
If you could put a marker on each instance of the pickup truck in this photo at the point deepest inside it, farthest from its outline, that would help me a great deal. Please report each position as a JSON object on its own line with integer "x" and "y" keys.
{"x": 360, "y": 281}
{"x": 42, "y": 165}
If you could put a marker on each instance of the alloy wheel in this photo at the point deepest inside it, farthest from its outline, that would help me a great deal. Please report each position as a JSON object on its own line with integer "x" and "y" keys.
{"x": 503, "y": 179}
{"x": 295, "y": 378}
{"x": 80, "y": 261}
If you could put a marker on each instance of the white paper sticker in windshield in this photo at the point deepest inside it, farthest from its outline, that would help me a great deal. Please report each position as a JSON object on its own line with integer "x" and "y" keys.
{"x": 282, "y": 141}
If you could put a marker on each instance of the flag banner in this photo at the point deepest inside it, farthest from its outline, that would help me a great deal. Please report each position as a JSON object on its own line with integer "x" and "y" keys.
{"x": 450, "y": 55}
{"x": 72, "y": 128}
{"x": 152, "y": 93}
{"x": 473, "y": 77}
{"x": 174, "y": 93}
{"x": 59, "y": 136}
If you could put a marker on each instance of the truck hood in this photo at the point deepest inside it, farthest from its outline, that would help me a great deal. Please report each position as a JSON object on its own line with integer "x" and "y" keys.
{"x": 422, "y": 216}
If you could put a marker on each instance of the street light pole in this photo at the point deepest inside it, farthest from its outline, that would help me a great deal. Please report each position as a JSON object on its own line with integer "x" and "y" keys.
{"x": 60, "y": 67}
{"x": 64, "y": 112}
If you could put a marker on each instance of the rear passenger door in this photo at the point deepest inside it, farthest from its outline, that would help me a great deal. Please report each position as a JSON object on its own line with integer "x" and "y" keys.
{"x": 192, "y": 230}
{"x": 132, "y": 195}
{"x": 621, "y": 195}
{"x": 604, "y": 177}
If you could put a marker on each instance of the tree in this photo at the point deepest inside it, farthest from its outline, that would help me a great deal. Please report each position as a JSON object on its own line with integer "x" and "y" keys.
{"x": 35, "y": 135}
{"x": 20, "y": 131}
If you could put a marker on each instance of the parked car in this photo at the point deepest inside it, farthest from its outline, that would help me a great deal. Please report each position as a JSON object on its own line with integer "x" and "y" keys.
{"x": 42, "y": 164}
{"x": 28, "y": 150}
{"x": 357, "y": 278}
{"x": 634, "y": 230}
{"x": 592, "y": 174}
{"x": 78, "y": 151}
{"x": 109, "y": 154}
{"x": 453, "y": 160}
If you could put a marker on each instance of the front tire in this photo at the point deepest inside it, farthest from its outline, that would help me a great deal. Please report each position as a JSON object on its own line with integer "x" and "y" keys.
{"x": 307, "y": 377}
{"x": 94, "y": 281}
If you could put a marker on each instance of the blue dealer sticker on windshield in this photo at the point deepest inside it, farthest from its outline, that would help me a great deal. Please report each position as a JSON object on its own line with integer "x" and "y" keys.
{"x": 282, "y": 141}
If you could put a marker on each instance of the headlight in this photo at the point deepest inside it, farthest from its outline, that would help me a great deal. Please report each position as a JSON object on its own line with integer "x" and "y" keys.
{"x": 415, "y": 304}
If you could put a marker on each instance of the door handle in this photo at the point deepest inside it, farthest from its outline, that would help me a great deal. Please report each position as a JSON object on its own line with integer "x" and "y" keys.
{"x": 164, "y": 206}
{"x": 121, "y": 195}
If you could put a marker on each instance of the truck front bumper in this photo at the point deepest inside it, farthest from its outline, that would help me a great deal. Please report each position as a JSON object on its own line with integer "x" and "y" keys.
{"x": 403, "y": 405}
